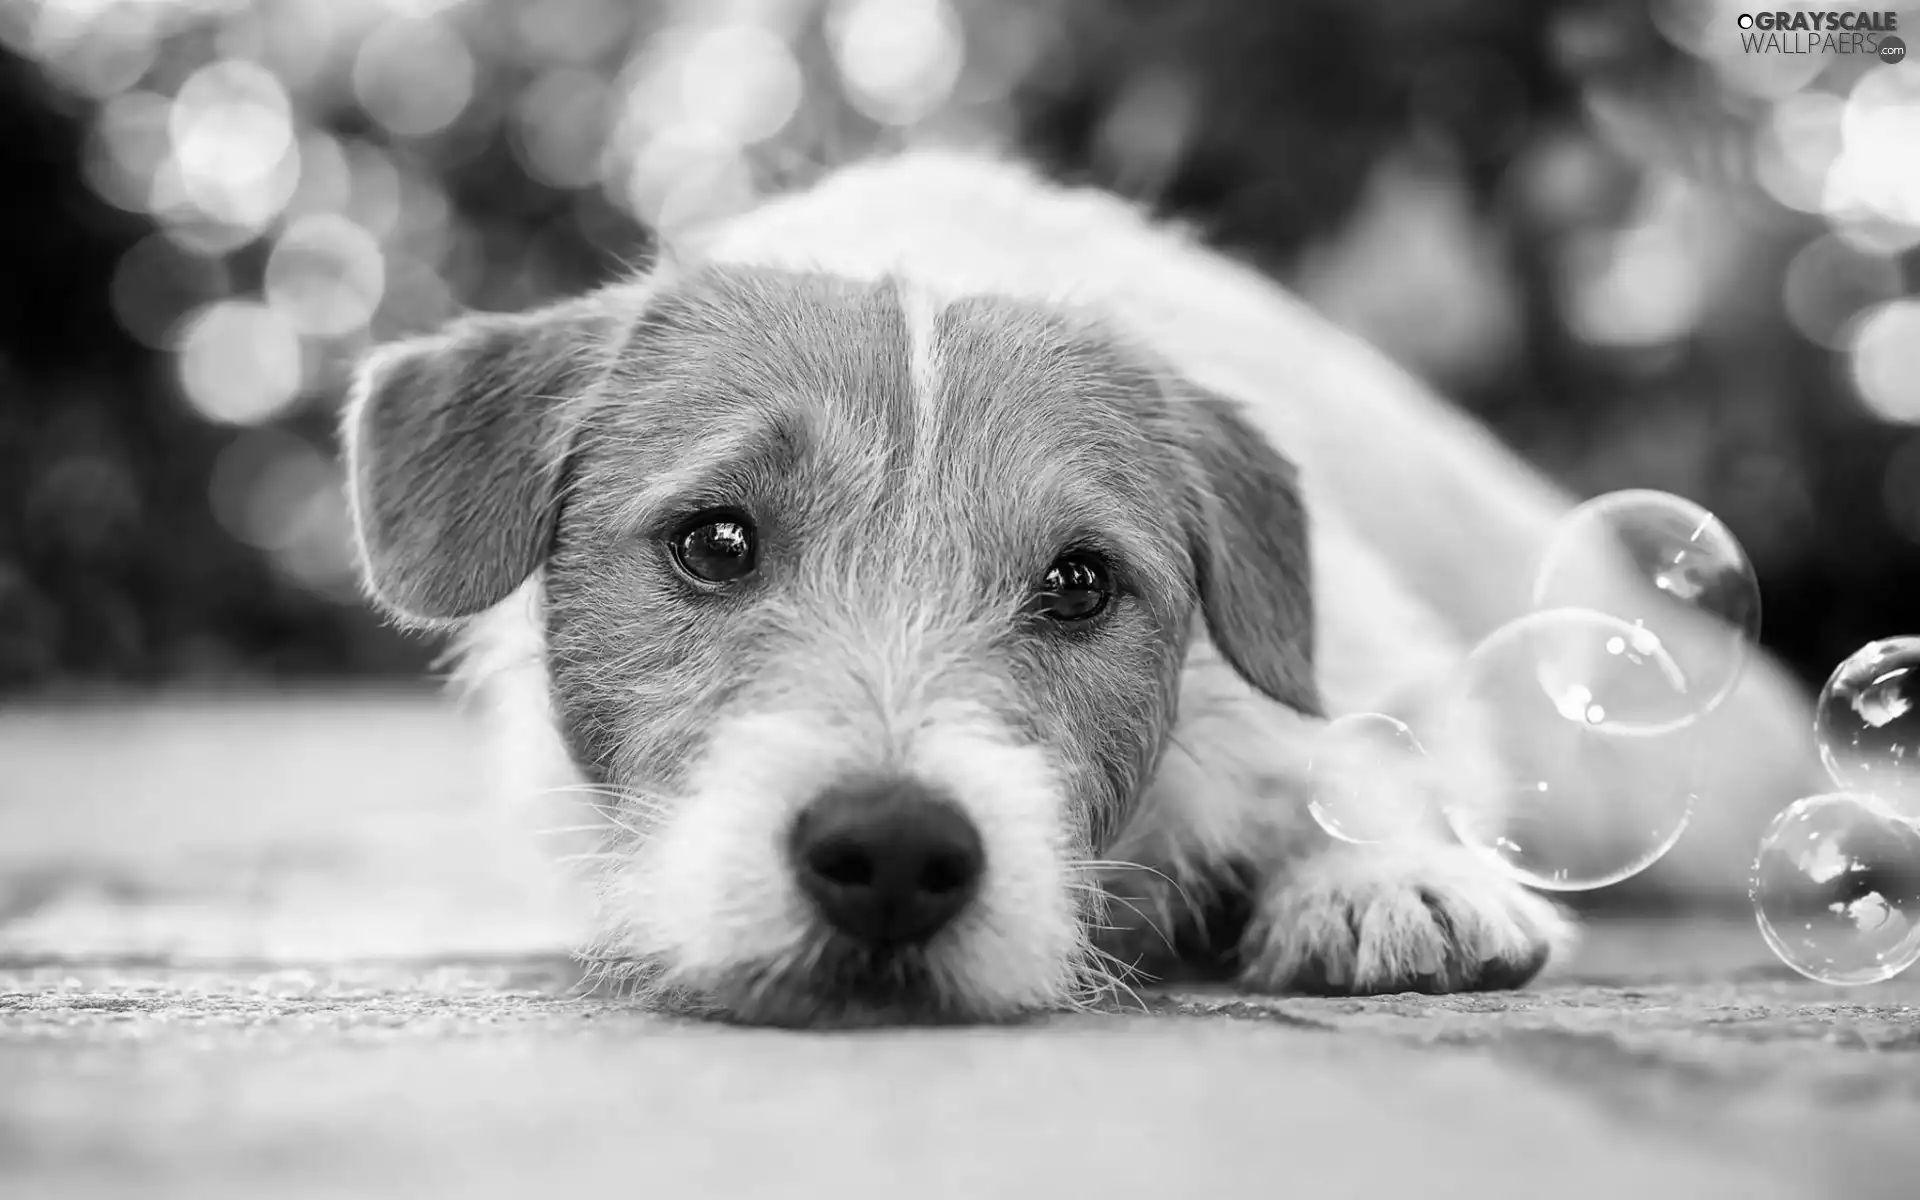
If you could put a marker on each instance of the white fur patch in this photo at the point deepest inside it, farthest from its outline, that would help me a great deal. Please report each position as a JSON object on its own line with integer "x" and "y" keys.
{"x": 502, "y": 672}
{"x": 538, "y": 792}
{"x": 1019, "y": 944}
{"x": 710, "y": 888}
{"x": 1372, "y": 918}
{"x": 921, "y": 309}
{"x": 1232, "y": 782}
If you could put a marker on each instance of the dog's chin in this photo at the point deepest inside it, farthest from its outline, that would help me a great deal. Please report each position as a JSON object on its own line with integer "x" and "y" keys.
{"x": 834, "y": 984}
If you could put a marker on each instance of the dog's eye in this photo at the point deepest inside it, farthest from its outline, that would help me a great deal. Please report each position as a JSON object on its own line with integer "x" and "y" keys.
{"x": 1075, "y": 587}
{"x": 717, "y": 548}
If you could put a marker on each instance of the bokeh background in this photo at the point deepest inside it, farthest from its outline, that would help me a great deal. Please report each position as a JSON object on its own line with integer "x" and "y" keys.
{"x": 1644, "y": 256}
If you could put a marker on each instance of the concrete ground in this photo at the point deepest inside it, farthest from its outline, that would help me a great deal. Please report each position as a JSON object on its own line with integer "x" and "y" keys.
{"x": 278, "y": 947}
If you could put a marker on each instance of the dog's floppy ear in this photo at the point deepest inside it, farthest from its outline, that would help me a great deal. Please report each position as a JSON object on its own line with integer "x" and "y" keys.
{"x": 1250, "y": 552}
{"x": 455, "y": 445}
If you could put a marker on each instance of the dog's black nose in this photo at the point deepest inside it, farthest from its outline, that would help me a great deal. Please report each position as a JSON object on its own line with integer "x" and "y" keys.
{"x": 888, "y": 863}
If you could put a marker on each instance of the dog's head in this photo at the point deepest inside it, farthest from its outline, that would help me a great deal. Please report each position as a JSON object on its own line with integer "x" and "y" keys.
{"x": 872, "y": 609}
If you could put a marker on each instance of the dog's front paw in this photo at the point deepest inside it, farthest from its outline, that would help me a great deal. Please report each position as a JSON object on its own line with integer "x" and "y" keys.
{"x": 1358, "y": 920}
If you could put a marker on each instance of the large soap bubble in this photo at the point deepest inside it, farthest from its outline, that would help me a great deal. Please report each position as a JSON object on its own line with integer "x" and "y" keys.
{"x": 1836, "y": 889}
{"x": 1545, "y": 783}
{"x": 1673, "y": 573}
{"x": 1366, "y": 779}
{"x": 1867, "y": 723}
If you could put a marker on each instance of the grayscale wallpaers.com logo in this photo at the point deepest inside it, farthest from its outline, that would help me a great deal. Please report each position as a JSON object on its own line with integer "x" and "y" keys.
{"x": 1822, "y": 33}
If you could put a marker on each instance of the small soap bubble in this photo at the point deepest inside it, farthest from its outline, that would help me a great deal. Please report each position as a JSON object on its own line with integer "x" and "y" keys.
{"x": 1367, "y": 779}
{"x": 1836, "y": 889}
{"x": 1672, "y": 571}
{"x": 1867, "y": 723}
{"x": 1545, "y": 783}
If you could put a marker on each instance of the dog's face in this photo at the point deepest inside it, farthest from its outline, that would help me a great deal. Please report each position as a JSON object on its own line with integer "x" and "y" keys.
{"x": 870, "y": 610}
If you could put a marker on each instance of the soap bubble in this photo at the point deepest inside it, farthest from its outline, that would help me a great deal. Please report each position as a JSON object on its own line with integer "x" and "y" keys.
{"x": 1367, "y": 781}
{"x": 1673, "y": 572}
{"x": 1836, "y": 889}
{"x": 1867, "y": 723}
{"x": 1546, "y": 784}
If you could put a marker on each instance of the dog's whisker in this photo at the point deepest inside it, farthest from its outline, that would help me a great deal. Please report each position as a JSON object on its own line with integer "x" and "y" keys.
{"x": 621, "y": 801}
{"x": 610, "y": 819}
{"x": 1186, "y": 897}
{"x": 1123, "y": 969}
{"x": 609, "y": 824}
{"x": 1103, "y": 980}
{"x": 593, "y": 976}
{"x": 1104, "y": 864}
{"x": 1165, "y": 938}
{"x": 593, "y": 789}
{"x": 619, "y": 795}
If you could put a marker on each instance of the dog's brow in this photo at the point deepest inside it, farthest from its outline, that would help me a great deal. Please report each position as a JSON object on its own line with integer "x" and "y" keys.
{"x": 727, "y": 467}
{"x": 1140, "y": 556}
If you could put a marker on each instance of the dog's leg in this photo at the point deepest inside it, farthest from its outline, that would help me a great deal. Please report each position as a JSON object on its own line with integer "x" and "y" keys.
{"x": 1419, "y": 913}
{"x": 1358, "y": 920}
{"x": 1185, "y": 870}
{"x": 1236, "y": 880}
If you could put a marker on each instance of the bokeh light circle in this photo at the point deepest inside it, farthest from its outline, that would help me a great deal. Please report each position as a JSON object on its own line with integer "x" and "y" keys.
{"x": 1541, "y": 784}
{"x": 239, "y": 362}
{"x": 126, "y": 146}
{"x": 230, "y": 118}
{"x": 560, "y": 127}
{"x": 326, "y": 275}
{"x": 235, "y": 159}
{"x": 1797, "y": 147}
{"x": 1829, "y": 284}
{"x": 1867, "y": 723}
{"x": 1872, "y": 193}
{"x": 1682, "y": 584}
{"x": 1364, "y": 779}
{"x": 414, "y": 76}
{"x": 1836, "y": 889}
{"x": 899, "y": 59}
{"x": 738, "y": 83}
{"x": 283, "y": 495}
{"x": 1886, "y": 361}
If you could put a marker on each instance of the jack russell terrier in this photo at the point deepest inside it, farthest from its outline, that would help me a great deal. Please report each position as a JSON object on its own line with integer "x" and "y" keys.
{"x": 934, "y": 580}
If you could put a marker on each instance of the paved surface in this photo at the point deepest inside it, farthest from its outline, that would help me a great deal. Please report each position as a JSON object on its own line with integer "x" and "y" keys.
{"x": 236, "y": 961}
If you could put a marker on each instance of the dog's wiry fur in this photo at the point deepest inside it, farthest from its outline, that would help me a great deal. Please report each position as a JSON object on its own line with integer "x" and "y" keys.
{"x": 924, "y": 379}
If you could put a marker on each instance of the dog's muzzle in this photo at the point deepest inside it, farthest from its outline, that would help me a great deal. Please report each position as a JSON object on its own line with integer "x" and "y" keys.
{"x": 887, "y": 863}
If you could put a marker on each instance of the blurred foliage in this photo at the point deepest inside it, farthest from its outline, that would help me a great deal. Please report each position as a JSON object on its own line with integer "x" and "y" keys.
{"x": 1644, "y": 255}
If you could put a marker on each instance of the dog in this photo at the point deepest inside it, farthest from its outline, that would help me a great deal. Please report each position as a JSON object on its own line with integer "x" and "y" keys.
{"x": 936, "y": 578}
